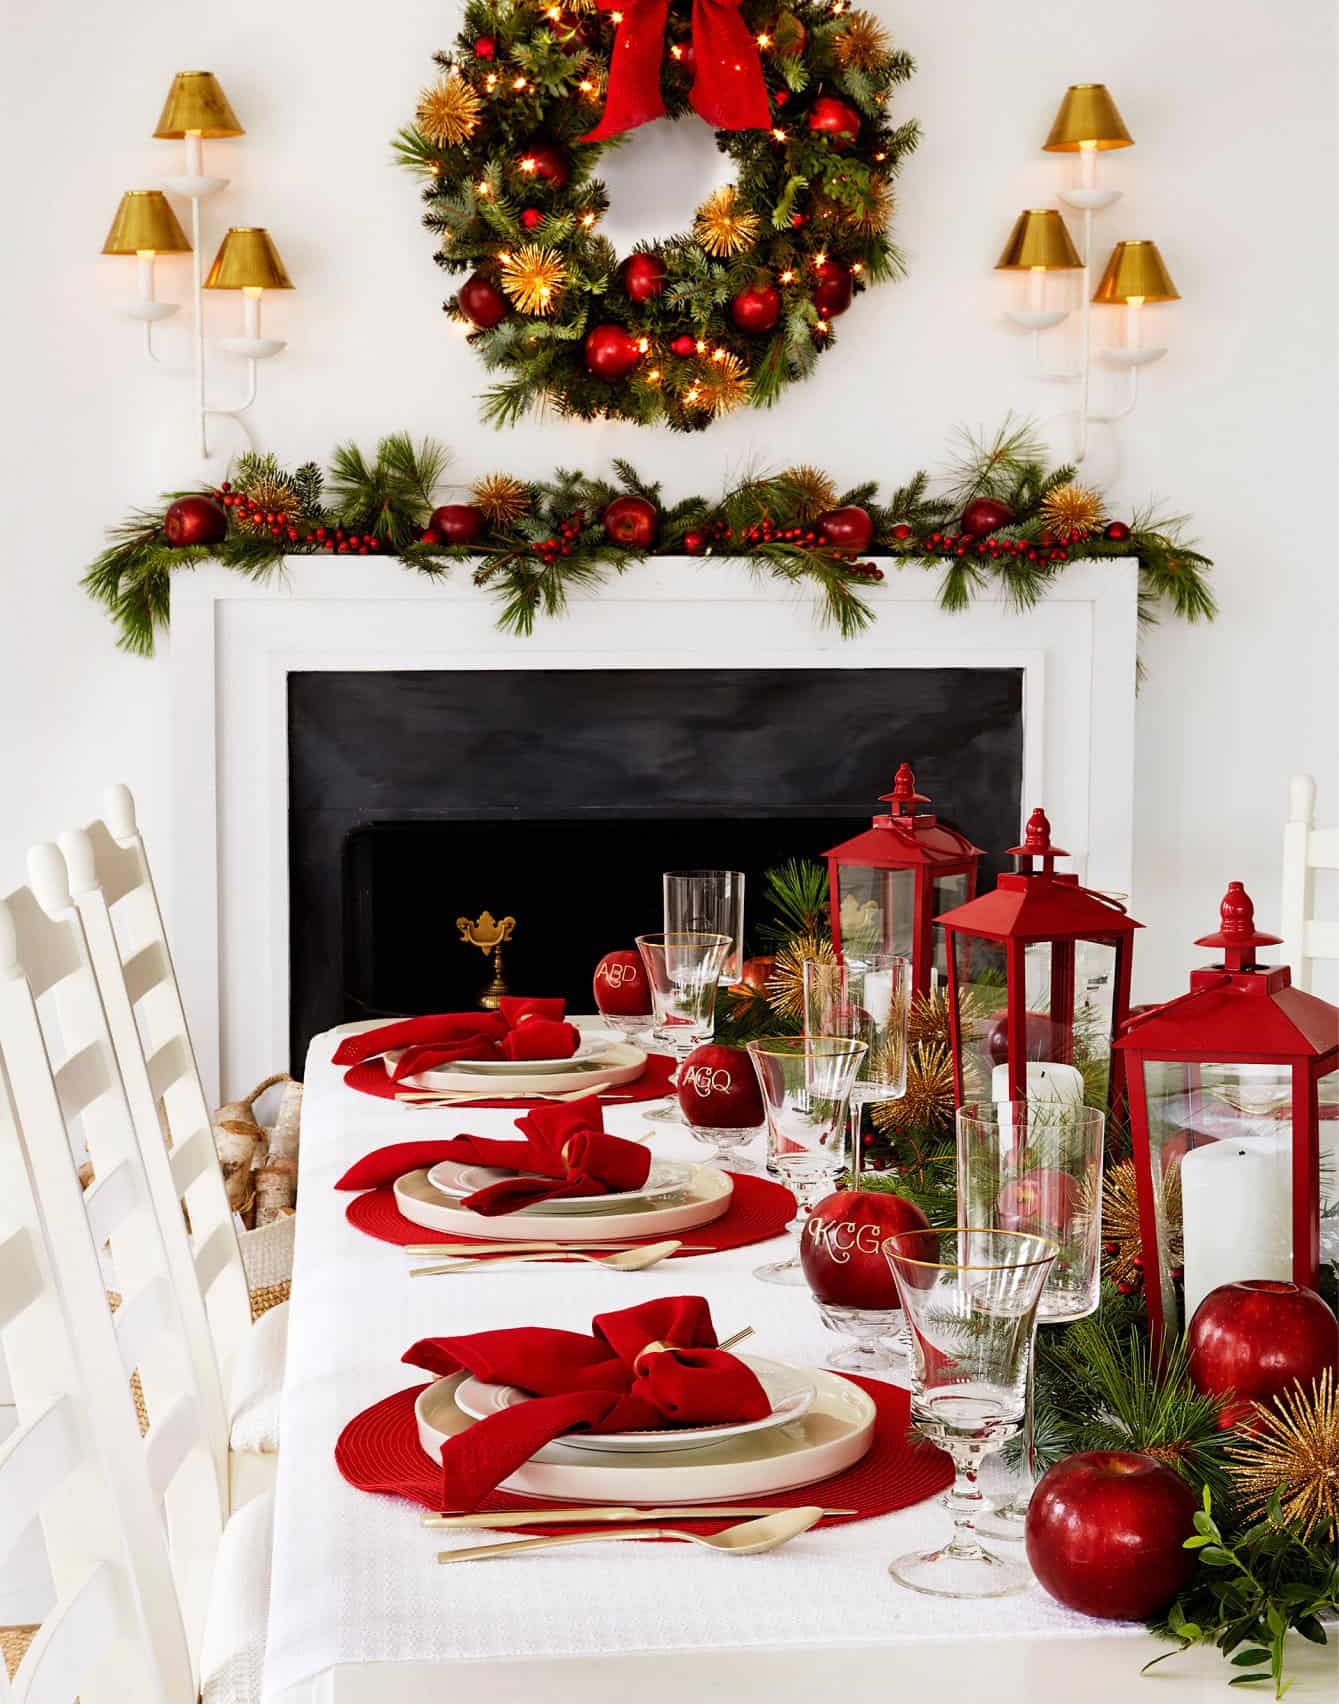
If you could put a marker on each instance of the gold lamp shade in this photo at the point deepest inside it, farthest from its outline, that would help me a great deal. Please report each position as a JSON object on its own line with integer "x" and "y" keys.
{"x": 144, "y": 221}
{"x": 1087, "y": 114}
{"x": 1136, "y": 270}
{"x": 196, "y": 106}
{"x": 247, "y": 260}
{"x": 1039, "y": 239}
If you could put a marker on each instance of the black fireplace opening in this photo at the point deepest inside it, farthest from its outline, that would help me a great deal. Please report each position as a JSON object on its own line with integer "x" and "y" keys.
{"x": 559, "y": 796}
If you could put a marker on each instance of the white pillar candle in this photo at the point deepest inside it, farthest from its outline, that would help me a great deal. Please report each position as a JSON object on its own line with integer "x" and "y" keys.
{"x": 1047, "y": 1080}
{"x": 1236, "y": 1213}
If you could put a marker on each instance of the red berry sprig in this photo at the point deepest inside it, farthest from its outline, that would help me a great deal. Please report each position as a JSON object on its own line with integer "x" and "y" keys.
{"x": 559, "y": 544}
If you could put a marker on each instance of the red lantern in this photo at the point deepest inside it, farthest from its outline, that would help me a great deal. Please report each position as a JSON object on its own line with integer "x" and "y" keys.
{"x": 1038, "y": 969}
{"x": 1226, "y": 1085}
{"x": 887, "y": 884}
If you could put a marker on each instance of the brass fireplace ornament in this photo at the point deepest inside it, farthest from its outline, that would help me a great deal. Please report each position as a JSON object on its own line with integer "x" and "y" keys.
{"x": 488, "y": 934}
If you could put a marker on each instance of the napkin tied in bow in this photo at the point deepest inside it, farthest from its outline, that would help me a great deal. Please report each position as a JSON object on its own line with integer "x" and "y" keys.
{"x": 520, "y": 1029}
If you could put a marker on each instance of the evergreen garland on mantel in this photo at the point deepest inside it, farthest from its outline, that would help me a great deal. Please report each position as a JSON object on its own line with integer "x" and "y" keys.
{"x": 1000, "y": 522}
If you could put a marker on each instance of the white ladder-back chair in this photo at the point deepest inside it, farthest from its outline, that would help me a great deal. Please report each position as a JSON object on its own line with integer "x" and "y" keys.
{"x": 1306, "y": 849}
{"x": 123, "y": 925}
{"x": 190, "y": 1570}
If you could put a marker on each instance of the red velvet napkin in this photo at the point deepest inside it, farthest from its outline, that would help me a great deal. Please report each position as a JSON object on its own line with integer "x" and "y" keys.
{"x": 566, "y": 1142}
{"x": 519, "y": 1029}
{"x": 647, "y": 1367}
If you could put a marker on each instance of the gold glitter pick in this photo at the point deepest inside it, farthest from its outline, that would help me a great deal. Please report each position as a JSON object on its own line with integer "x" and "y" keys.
{"x": 533, "y": 278}
{"x": 270, "y": 496}
{"x": 721, "y": 227}
{"x": 864, "y": 44}
{"x": 1292, "y": 1448}
{"x": 448, "y": 112}
{"x": 1072, "y": 511}
{"x": 723, "y": 384}
{"x": 810, "y": 490}
{"x": 1122, "y": 1242}
{"x": 785, "y": 986}
{"x": 502, "y": 498}
{"x": 929, "y": 1099}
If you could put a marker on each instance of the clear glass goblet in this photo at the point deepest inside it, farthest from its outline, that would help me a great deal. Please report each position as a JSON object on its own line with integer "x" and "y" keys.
{"x": 684, "y": 968}
{"x": 806, "y": 1087}
{"x": 726, "y": 1141}
{"x": 970, "y": 1298}
{"x": 1036, "y": 1165}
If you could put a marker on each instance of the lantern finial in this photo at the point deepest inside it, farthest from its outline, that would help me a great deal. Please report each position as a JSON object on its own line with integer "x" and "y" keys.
{"x": 1238, "y": 935}
{"x": 1037, "y": 844}
{"x": 904, "y": 798}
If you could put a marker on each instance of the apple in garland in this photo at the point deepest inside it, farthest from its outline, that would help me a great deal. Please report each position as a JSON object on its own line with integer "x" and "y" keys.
{"x": 458, "y": 523}
{"x": 195, "y": 520}
{"x": 849, "y": 528}
{"x": 985, "y": 515}
{"x": 632, "y": 521}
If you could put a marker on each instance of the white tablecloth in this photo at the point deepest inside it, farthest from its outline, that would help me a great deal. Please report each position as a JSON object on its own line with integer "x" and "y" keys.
{"x": 354, "y": 1577}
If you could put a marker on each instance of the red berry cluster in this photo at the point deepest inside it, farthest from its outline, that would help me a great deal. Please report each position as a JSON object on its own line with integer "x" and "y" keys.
{"x": 963, "y": 544}
{"x": 273, "y": 521}
{"x": 345, "y": 543}
{"x": 560, "y": 544}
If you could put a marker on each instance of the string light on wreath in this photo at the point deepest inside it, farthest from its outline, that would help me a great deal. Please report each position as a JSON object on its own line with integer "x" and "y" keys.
{"x": 448, "y": 112}
{"x": 534, "y": 278}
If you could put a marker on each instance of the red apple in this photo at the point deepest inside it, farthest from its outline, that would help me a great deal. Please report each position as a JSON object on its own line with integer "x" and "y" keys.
{"x": 481, "y": 302}
{"x": 849, "y": 528}
{"x": 546, "y": 161}
{"x": 694, "y": 543}
{"x": 1105, "y": 1531}
{"x": 834, "y": 118}
{"x": 1255, "y": 1338}
{"x": 1116, "y": 531}
{"x": 985, "y": 515}
{"x": 754, "y": 972}
{"x": 1042, "y": 1201}
{"x": 632, "y": 521}
{"x": 683, "y": 345}
{"x": 718, "y": 1089}
{"x": 195, "y": 520}
{"x": 756, "y": 309}
{"x": 621, "y": 988}
{"x": 832, "y": 293}
{"x": 1039, "y": 1037}
{"x": 841, "y": 1249}
{"x": 610, "y": 352}
{"x": 642, "y": 277}
{"x": 530, "y": 217}
{"x": 458, "y": 523}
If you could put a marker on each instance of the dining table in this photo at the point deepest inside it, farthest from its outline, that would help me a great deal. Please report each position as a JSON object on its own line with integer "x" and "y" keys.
{"x": 361, "y": 1613}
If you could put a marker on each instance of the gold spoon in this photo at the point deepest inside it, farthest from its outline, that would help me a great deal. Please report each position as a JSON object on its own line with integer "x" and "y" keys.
{"x": 627, "y": 1260}
{"x": 749, "y": 1538}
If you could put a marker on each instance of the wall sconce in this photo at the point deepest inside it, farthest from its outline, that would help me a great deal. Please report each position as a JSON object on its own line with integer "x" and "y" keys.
{"x": 196, "y": 111}
{"x": 1087, "y": 124}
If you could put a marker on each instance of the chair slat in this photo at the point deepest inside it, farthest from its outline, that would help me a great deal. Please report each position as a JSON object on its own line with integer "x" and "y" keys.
{"x": 34, "y": 1462}
{"x": 75, "y": 1638}
{"x": 171, "y": 1440}
{"x": 1322, "y": 851}
{"x": 145, "y": 970}
{"x": 170, "y": 1063}
{"x": 1321, "y": 938}
{"x": 190, "y": 1159}
{"x": 83, "y": 1077}
{"x": 20, "y": 1275}
{"x": 108, "y": 1200}
{"x": 215, "y": 1257}
{"x": 141, "y": 1320}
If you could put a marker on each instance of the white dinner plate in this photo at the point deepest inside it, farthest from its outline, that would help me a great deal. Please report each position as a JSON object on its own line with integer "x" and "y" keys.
{"x": 837, "y": 1431}
{"x": 789, "y": 1389}
{"x": 614, "y": 1062}
{"x": 706, "y": 1195}
{"x": 456, "y": 1179}
{"x": 592, "y": 1049}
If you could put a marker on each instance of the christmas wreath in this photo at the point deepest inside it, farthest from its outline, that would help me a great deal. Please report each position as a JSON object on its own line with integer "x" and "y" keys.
{"x": 511, "y": 134}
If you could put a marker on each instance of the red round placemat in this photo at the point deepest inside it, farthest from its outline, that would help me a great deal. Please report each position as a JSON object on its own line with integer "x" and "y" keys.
{"x": 371, "y": 1078}
{"x": 379, "y": 1451}
{"x": 758, "y": 1209}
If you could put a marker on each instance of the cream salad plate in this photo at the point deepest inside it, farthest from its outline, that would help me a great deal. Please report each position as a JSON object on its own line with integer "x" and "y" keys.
{"x": 703, "y": 1195}
{"x": 790, "y": 1390}
{"x": 456, "y": 1179}
{"x": 835, "y": 1432}
{"x": 609, "y": 1064}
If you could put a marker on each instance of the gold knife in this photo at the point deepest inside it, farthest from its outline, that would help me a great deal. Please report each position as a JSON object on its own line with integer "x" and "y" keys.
{"x": 500, "y": 1247}
{"x": 602, "y": 1512}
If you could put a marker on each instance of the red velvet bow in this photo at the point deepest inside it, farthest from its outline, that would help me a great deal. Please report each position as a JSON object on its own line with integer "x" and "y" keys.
{"x": 728, "y": 90}
{"x": 520, "y": 1029}
{"x": 567, "y": 1143}
{"x": 643, "y": 1367}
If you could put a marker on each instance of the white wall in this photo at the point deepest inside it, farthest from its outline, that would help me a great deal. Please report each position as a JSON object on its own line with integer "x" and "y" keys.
{"x": 1232, "y": 107}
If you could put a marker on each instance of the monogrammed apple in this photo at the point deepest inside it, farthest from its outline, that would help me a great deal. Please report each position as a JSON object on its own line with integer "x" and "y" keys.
{"x": 621, "y": 988}
{"x": 841, "y": 1247}
{"x": 718, "y": 1089}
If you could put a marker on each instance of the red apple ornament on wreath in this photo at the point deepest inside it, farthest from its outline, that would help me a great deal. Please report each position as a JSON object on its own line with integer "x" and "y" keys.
{"x": 757, "y": 309}
{"x": 195, "y": 520}
{"x": 642, "y": 277}
{"x": 834, "y": 119}
{"x": 849, "y": 528}
{"x": 841, "y": 1248}
{"x": 548, "y": 163}
{"x": 1251, "y": 1341}
{"x": 832, "y": 293}
{"x": 610, "y": 352}
{"x": 481, "y": 302}
{"x": 458, "y": 523}
{"x": 1105, "y": 1533}
{"x": 632, "y": 521}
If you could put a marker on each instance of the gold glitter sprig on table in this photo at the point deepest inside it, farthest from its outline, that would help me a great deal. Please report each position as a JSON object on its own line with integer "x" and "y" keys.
{"x": 929, "y": 1099}
{"x": 448, "y": 111}
{"x": 931, "y": 1016}
{"x": 810, "y": 490}
{"x": 533, "y": 278}
{"x": 1292, "y": 1448}
{"x": 502, "y": 498}
{"x": 864, "y": 44}
{"x": 1122, "y": 1241}
{"x": 722, "y": 227}
{"x": 785, "y": 986}
{"x": 1072, "y": 512}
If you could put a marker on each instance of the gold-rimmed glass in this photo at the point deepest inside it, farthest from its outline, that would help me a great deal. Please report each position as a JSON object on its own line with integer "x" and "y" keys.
{"x": 684, "y": 969}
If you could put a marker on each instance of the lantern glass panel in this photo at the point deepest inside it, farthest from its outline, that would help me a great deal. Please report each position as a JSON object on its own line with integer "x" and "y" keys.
{"x": 949, "y": 892}
{"x": 1220, "y": 1151}
{"x": 877, "y": 910}
{"x": 980, "y": 970}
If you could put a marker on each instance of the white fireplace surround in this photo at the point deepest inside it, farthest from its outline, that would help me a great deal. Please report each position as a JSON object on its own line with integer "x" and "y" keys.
{"x": 234, "y": 643}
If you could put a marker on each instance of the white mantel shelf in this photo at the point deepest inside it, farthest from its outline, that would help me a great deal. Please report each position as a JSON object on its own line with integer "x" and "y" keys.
{"x": 234, "y": 642}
